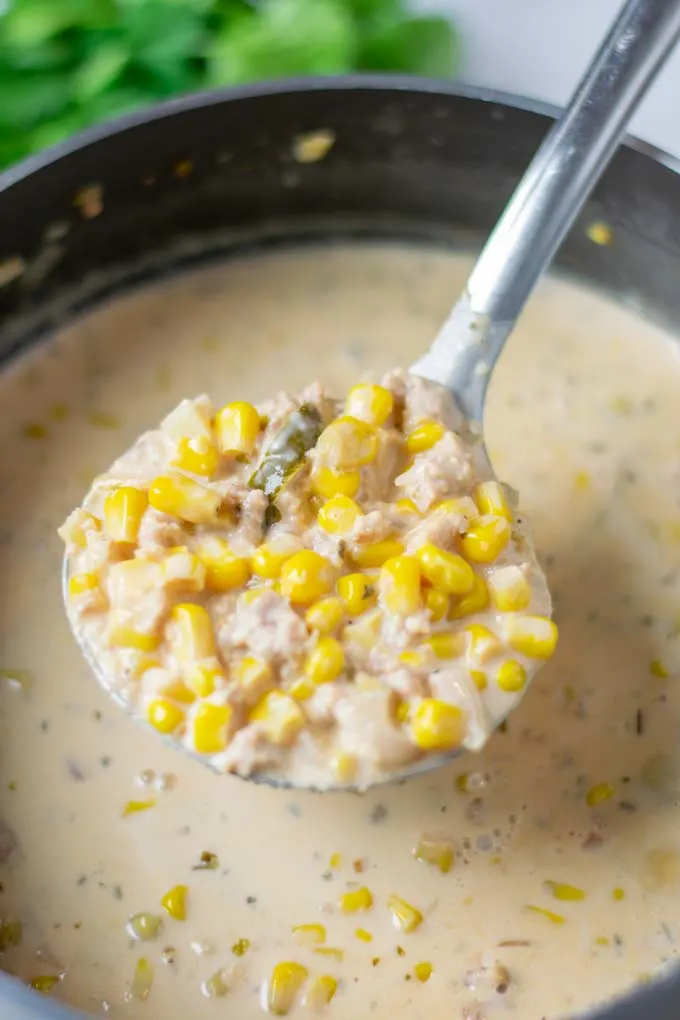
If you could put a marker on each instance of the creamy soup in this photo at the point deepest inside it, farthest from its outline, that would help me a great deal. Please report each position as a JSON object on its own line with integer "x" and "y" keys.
{"x": 564, "y": 889}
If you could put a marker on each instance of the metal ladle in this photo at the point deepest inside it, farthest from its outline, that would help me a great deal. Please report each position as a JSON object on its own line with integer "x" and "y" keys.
{"x": 544, "y": 205}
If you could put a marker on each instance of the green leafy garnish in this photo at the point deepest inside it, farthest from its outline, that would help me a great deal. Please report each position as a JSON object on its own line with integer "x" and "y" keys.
{"x": 286, "y": 450}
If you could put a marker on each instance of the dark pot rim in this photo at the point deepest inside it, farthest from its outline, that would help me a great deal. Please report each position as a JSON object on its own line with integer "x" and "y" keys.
{"x": 661, "y": 998}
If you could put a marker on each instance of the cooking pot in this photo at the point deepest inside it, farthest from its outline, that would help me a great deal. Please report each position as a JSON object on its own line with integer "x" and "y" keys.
{"x": 203, "y": 176}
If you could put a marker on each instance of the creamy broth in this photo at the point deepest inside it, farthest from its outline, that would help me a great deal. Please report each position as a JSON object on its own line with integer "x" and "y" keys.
{"x": 583, "y": 787}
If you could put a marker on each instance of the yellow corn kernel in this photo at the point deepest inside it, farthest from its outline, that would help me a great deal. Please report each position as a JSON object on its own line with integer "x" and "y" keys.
{"x": 424, "y": 436}
{"x": 177, "y": 690}
{"x": 474, "y": 601}
{"x": 618, "y": 894}
{"x": 123, "y": 512}
{"x": 447, "y": 645}
{"x": 302, "y": 689}
{"x": 405, "y": 916}
{"x": 437, "y": 726}
{"x": 187, "y": 421}
{"x": 255, "y": 677}
{"x": 400, "y": 585}
{"x": 402, "y": 711}
{"x": 357, "y": 592}
{"x": 181, "y": 497}
{"x": 76, "y": 527}
{"x": 174, "y": 903}
{"x": 285, "y": 983}
{"x": 139, "y": 662}
{"x": 414, "y": 659}
{"x": 344, "y": 767}
{"x": 209, "y": 727}
{"x": 444, "y": 570}
{"x": 305, "y": 577}
{"x": 548, "y": 914}
{"x": 338, "y": 514}
{"x": 486, "y": 538}
{"x": 533, "y": 636}
{"x": 658, "y": 669}
{"x": 563, "y": 891}
{"x": 81, "y": 584}
{"x": 406, "y": 507}
{"x": 121, "y": 634}
{"x": 438, "y": 602}
{"x": 268, "y": 559}
{"x": 237, "y": 427}
{"x": 438, "y": 852}
{"x": 374, "y": 554}
{"x": 363, "y": 935}
{"x": 510, "y": 590}
{"x": 347, "y": 443}
{"x": 135, "y": 807}
{"x": 423, "y": 971}
{"x": 320, "y": 992}
{"x": 355, "y": 900}
{"x": 478, "y": 677}
{"x": 458, "y": 506}
{"x": 599, "y": 793}
{"x": 372, "y": 404}
{"x": 190, "y": 633}
{"x": 197, "y": 456}
{"x": 224, "y": 570}
{"x": 490, "y": 498}
{"x": 511, "y": 676}
{"x": 183, "y": 569}
{"x": 326, "y": 615}
{"x": 599, "y": 233}
{"x": 279, "y": 716}
{"x": 164, "y": 715}
{"x": 482, "y": 642}
{"x": 337, "y": 954}
{"x": 363, "y": 634}
{"x": 309, "y": 934}
{"x": 326, "y": 661}
{"x": 204, "y": 678}
{"x": 327, "y": 483}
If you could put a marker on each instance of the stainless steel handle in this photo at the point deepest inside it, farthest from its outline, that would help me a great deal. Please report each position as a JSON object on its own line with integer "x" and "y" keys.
{"x": 566, "y": 167}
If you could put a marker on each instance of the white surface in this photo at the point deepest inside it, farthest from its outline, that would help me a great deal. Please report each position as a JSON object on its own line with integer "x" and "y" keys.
{"x": 539, "y": 48}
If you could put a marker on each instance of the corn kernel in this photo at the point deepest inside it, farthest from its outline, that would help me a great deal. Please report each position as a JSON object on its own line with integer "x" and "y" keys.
{"x": 374, "y": 554}
{"x": 255, "y": 677}
{"x": 164, "y": 715}
{"x": 424, "y": 436}
{"x": 269, "y": 558}
{"x": 444, "y": 570}
{"x": 124, "y": 508}
{"x": 355, "y": 900}
{"x": 400, "y": 585}
{"x": 458, "y": 506}
{"x": 447, "y": 645}
{"x": 363, "y": 935}
{"x": 224, "y": 570}
{"x": 357, "y": 593}
{"x": 204, "y": 678}
{"x": 338, "y": 515}
{"x": 81, "y": 584}
{"x": 326, "y": 482}
{"x": 279, "y": 716}
{"x": 181, "y": 497}
{"x": 599, "y": 793}
{"x": 534, "y": 636}
{"x": 563, "y": 891}
{"x": 438, "y": 852}
{"x": 120, "y": 633}
{"x": 486, "y": 538}
{"x": 423, "y": 971}
{"x": 174, "y": 903}
{"x": 190, "y": 633}
{"x": 76, "y": 527}
{"x": 344, "y": 767}
{"x": 197, "y": 456}
{"x": 372, "y": 404}
{"x": 478, "y": 677}
{"x": 406, "y": 507}
{"x": 285, "y": 983}
{"x": 482, "y": 642}
{"x": 438, "y": 603}
{"x": 187, "y": 421}
{"x": 511, "y": 676}
{"x": 347, "y": 443}
{"x": 618, "y": 894}
{"x": 362, "y": 635}
{"x": 548, "y": 914}
{"x": 136, "y": 807}
{"x": 474, "y": 601}
{"x": 510, "y": 590}
{"x": 209, "y": 727}
{"x": 237, "y": 427}
{"x": 309, "y": 934}
{"x": 321, "y": 992}
{"x": 337, "y": 954}
{"x": 302, "y": 689}
{"x": 326, "y": 661}
{"x": 490, "y": 498}
{"x": 437, "y": 726}
{"x": 326, "y": 615}
{"x": 658, "y": 669}
{"x": 414, "y": 658}
{"x": 177, "y": 690}
{"x": 185, "y": 570}
{"x": 405, "y": 916}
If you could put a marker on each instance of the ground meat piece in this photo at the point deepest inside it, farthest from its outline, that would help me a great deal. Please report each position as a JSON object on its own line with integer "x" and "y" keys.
{"x": 423, "y": 400}
{"x": 267, "y": 626}
{"x": 367, "y": 730}
{"x": 405, "y": 683}
{"x": 146, "y": 459}
{"x": 250, "y": 532}
{"x": 327, "y": 406}
{"x": 370, "y": 527}
{"x": 158, "y": 532}
{"x": 322, "y": 705}
{"x": 445, "y": 470}
{"x": 440, "y": 528}
{"x": 378, "y": 477}
{"x": 248, "y": 752}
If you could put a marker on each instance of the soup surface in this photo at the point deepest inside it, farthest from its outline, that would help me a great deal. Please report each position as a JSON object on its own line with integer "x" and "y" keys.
{"x": 565, "y": 888}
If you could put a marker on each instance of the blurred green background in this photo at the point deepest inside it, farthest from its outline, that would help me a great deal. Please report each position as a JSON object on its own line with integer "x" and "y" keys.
{"x": 67, "y": 64}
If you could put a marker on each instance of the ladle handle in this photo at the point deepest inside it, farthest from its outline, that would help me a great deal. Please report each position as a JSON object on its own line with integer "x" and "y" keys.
{"x": 550, "y": 195}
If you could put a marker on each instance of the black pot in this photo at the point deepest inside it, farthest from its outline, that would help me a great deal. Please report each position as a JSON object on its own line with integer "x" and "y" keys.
{"x": 199, "y": 176}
